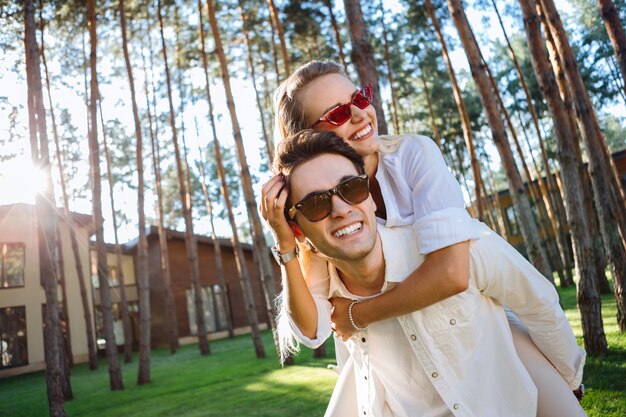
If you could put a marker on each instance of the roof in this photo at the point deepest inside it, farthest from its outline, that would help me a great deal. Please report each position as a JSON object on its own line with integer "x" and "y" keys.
{"x": 80, "y": 219}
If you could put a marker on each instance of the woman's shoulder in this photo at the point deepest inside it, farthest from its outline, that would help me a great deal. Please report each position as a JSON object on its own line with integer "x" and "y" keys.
{"x": 406, "y": 143}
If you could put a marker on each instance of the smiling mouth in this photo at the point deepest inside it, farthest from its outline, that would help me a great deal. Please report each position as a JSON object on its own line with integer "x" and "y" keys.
{"x": 348, "y": 230}
{"x": 358, "y": 135}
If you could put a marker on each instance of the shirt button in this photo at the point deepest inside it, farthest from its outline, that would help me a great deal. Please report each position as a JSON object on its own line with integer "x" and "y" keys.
{"x": 413, "y": 337}
{"x": 455, "y": 406}
{"x": 363, "y": 339}
{"x": 453, "y": 322}
{"x": 434, "y": 374}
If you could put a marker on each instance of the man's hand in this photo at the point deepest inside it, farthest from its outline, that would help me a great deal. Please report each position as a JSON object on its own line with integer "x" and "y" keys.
{"x": 340, "y": 322}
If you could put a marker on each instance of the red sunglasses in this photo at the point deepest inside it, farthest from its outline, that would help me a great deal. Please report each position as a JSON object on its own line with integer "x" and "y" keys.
{"x": 341, "y": 113}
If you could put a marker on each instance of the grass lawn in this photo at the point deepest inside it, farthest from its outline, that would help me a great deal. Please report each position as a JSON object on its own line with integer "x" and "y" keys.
{"x": 232, "y": 382}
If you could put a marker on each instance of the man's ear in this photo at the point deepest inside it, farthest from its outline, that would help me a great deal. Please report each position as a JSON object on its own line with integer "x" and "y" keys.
{"x": 296, "y": 231}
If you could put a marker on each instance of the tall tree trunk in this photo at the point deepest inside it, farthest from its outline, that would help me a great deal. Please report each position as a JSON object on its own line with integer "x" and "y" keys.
{"x": 394, "y": 106}
{"x": 115, "y": 374}
{"x": 266, "y": 138}
{"x": 616, "y": 34}
{"x": 164, "y": 263}
{"x": 588, "y": 299}
{"x": 191, "y": 243}
{"x": 60, "y": 264}
{"x": 534, "y": 192}
{"x": 259, "y": 244}
{"x": 128, "y": 346}
{"x": 516, "y": 185}
{"x": 244, "y": 277}
{"x": 143, "y": 374}
{"x": 607, "y": 194}
{"x": 276, "y": 23}
{"x": 335, "y": 26}
{"x": 548, "y": 181}
{"x": 362, "y": 57}
{"x": 599, "y": 256}
{"x": 460, "y": 104}
{"x": 46, "y": 215}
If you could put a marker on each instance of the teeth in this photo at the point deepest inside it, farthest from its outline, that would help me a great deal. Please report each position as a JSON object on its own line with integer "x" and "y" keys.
{"x": 362, "y": 133}
{"x": 348, "y": 230}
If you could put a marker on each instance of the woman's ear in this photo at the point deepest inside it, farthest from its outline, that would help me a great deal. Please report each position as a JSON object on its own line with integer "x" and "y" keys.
{"x": 297, "y": 232}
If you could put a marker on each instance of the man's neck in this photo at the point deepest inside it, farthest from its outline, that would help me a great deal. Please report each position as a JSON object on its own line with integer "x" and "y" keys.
{"x": 366, "y": 276}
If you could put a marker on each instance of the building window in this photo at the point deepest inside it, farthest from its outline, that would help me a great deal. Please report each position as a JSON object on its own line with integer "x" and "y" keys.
{"x": 13, "y": 341}
{"x": 214, "y": 312}
{"x": 511, "y": 221}
{"x": 118, "y": 326}
{"x": 12, "y": 265}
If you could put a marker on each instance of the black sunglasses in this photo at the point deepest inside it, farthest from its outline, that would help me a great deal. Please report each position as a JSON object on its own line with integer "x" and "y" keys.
{"x": 318, "y": 206}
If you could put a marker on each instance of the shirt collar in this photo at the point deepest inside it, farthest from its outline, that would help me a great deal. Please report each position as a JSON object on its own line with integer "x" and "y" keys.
{"x": 402, "y": 256}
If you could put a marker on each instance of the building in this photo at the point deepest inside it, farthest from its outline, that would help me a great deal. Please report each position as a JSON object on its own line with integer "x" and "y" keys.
{"x": 22, "y": 297}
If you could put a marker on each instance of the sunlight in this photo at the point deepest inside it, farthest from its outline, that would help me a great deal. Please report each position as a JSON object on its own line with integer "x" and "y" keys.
{"x": 20, "y": 181}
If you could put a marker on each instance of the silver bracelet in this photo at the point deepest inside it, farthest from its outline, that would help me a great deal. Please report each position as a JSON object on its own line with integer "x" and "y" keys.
{"x": 360, "y": 329}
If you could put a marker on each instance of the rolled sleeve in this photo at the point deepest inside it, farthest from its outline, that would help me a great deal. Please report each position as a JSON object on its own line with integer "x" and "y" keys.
{"x": 505, "y": 275}
{"x": 444, "y": 228}
{"x": 323, "y": 326}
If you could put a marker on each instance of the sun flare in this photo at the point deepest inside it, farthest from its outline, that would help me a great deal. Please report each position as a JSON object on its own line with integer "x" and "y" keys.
{"x": 20, "y": 182}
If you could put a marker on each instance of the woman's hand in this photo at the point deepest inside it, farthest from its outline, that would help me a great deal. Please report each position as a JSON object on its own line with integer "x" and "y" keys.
{"x": 340, "y": 320}
{"x": 273, "y": 198}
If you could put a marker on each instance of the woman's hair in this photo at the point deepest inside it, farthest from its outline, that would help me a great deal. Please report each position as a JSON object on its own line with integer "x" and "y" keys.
{"x": 288, "y": 110}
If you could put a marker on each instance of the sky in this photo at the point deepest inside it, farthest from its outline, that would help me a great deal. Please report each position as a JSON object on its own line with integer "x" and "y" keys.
{"x": 19, "y": 181}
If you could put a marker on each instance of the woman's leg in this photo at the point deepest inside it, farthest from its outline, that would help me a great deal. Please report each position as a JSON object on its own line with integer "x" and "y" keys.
{"x": 555, "y": 398}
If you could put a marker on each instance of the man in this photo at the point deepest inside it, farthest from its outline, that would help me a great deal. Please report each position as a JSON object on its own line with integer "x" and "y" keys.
{"x": 455, "y": 357}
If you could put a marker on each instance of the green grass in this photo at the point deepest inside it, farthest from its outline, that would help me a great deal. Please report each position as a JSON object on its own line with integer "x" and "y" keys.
{"x": 232, "y": 382}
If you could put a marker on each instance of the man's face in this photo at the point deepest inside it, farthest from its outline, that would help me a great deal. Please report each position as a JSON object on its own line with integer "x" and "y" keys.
{"x": 349, "y": 232}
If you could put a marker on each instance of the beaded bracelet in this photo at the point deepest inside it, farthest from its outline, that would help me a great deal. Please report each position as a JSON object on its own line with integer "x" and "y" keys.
{"x": 360, "y": 329}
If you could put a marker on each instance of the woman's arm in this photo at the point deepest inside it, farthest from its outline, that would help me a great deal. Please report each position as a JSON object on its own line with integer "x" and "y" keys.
{"x": 444, "y": 273}
{"x": 298, "y": 301}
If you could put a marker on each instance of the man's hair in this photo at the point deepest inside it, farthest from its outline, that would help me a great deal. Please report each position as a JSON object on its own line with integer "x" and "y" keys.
{"x": 307, "y": 144}
{"x": 288, "y": 110}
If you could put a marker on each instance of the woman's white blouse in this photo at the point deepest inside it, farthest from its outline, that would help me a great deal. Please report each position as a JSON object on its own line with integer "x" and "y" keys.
{"x": 418, "y": 189}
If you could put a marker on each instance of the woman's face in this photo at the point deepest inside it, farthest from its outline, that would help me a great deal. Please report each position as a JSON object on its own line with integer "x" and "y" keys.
{"x": 326, "y": 92}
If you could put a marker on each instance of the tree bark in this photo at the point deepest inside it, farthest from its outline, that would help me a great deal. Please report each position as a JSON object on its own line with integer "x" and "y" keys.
{"x": 460, "y": 104}
{"x": 244, "y": 277}
{"x": 143, "y": 374}
{"x": 259, "y": 244}
{"x": 333, "y": 23}
{"x": 281, "y": 36}
{"x": 516, "y": 186}
{"x": 191, "y": 243}
{"x": 362, "y": 56}
{"x": 128, "y": 347}
{"x": 164, "y": 264}
{"x": 607, "y": 194}
{"x": 46, "y": 215}
{"x": 394, "y": 106}
{"x": 588, "y": 299}
{"x": 217, "y": 248}
{"x": 269, "y": 145}
{"x": 115, "y": 374}
{"x": 547, "y": 182}
{"x": 616, "y": 34}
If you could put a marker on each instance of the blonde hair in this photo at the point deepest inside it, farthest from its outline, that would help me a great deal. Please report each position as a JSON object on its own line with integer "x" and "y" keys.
{"x": 288, "y": 110}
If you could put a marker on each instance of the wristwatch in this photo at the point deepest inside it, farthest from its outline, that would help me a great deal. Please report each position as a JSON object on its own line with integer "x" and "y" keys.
{"x": 283, "y": 258}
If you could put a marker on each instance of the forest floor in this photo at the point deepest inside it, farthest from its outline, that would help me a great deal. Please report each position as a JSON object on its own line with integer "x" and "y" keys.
{"x": 232, "y": 382}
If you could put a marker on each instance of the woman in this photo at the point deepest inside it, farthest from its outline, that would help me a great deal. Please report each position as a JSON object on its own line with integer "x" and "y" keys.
{"x": 410, "y": 185}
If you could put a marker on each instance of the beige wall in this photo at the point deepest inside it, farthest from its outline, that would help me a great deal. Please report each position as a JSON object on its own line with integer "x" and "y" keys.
{"x": 20, "y": 226}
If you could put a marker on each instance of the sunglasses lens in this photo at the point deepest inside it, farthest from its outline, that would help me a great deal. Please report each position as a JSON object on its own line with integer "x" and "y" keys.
{"x": 363, "y": 98}
{"x": 354, "y": 190}
{"x": 316, "y": 207}
{"x": 339, "y": 114}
